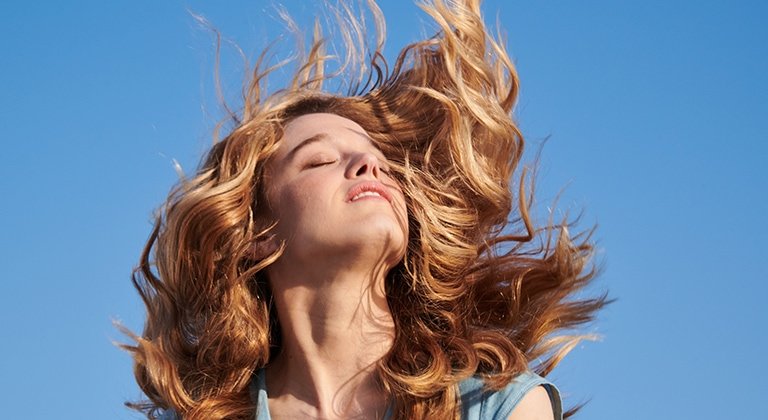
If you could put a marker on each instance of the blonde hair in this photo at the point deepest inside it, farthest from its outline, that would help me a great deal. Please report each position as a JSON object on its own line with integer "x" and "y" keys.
{"x": 477, "y": 293}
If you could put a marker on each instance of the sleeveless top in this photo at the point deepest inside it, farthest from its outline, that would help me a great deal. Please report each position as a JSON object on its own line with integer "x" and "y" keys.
{"x": 476, "y": 402}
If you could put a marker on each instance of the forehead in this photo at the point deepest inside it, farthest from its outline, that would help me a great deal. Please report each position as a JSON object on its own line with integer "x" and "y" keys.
{"x": 337, "y": 128}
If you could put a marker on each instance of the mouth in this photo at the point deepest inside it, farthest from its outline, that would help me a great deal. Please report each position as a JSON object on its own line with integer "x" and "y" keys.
{"x": 368, "y": 190}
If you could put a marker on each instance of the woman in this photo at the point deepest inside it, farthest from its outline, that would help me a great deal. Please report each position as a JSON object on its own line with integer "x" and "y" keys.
{"x": 352, "y": 256}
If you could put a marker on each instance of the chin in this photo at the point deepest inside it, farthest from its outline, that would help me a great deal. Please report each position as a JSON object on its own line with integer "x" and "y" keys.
{"x": 387, "y": 241}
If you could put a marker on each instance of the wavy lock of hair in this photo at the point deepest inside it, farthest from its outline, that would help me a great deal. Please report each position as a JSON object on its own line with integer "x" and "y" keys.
{"x": 481, "y": 291}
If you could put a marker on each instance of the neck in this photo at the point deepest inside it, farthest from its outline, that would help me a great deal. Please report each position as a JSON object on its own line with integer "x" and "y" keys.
{"x": 335, "y": 326}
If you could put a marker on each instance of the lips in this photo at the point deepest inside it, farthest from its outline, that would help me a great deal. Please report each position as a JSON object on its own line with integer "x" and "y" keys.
{"x": 368, "y": 189}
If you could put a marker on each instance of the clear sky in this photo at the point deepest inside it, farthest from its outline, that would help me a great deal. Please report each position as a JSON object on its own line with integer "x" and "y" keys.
{"x": 656, "y": 115}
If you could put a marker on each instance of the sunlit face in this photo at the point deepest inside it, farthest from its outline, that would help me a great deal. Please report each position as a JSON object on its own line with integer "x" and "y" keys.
{"x": 330, "y": 190}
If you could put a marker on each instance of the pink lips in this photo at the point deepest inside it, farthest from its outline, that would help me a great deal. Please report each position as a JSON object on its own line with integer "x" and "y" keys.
{"x": 369, "y": 186}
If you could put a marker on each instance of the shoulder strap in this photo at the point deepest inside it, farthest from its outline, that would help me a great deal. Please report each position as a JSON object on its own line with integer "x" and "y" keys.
{"x": 478, "y": 403}
{"x": 258, "y": 390}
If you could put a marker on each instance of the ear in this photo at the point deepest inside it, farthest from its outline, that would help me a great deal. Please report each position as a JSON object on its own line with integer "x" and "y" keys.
{"x": 263, "y": 248}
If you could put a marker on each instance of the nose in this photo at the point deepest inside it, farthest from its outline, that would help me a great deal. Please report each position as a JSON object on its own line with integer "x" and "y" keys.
{"x": 364, "y": 164}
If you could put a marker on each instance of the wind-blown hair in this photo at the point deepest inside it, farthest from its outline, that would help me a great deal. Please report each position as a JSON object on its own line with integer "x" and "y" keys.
{"x": 480, "y": 291}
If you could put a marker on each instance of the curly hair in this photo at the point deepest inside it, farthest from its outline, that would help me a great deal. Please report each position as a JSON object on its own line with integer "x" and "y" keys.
{"x": 480, "y": 291}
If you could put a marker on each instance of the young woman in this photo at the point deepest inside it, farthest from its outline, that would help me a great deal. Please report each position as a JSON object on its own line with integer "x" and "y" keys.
{"x": 353, "y": 256}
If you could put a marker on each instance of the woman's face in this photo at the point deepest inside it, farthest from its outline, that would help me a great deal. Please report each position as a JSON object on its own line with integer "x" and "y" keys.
{"x": 329, "y": 188}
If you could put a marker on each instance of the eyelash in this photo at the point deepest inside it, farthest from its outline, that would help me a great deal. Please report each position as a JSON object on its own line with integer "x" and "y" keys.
{"x": 318, "y": 164}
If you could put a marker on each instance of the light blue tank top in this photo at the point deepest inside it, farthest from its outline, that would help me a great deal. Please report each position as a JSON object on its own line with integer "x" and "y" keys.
{"x": 476, "y": 403}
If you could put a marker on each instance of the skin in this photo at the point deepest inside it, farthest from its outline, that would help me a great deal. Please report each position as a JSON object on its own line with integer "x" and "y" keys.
{"x": 328, "y": 285}
{"x": 535, "y": 405}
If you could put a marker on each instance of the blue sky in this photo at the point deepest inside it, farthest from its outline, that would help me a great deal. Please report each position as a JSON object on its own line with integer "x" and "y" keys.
{"x": 656, "y": 118}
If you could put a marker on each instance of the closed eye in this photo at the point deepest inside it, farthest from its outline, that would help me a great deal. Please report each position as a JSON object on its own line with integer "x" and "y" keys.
{"x": 320, "y": 163}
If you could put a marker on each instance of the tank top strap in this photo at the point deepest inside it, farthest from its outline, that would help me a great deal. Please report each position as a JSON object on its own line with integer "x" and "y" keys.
{"x": 478, "y": 403}
{"x": 258, "y": 391}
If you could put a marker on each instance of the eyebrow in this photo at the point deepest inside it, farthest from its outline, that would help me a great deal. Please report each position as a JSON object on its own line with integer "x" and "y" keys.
{"x": 314, "y": 139}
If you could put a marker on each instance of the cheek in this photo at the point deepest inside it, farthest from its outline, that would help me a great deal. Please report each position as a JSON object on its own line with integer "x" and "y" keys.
{"x": 300, "y": 199}
{"x": 401, "y": 212}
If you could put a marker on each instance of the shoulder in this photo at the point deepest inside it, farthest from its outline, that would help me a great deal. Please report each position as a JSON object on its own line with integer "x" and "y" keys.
{"x": 535, "y": 405}
{"x": 527, "y": 396}
{"x": 257, "y": 390}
